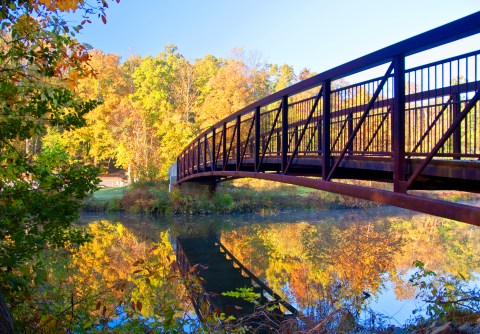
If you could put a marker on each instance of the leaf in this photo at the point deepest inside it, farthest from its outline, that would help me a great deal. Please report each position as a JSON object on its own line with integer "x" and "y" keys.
{"x": 99, "y": 304}
{"x": 104, "y": 19}
{"x": 132, "y": 305}
{"x": 104, "y": 311}
{"x": 139, "y": 306}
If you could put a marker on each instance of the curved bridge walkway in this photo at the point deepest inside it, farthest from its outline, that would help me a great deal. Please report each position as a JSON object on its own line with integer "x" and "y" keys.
{"x": 416, "y": 128}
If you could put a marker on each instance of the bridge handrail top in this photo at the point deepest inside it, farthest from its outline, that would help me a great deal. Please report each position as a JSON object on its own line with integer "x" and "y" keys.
{"x": 455, "y": 30}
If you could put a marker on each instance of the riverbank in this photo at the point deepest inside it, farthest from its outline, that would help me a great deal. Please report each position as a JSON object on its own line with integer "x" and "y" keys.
{"x": 237, "y": 197}
{"x": 233, "y": 198}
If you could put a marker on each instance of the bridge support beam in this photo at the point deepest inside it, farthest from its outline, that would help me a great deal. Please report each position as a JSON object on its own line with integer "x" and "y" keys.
{"x": 326, "y": 151}
{"x": 398, "y": 126}
{"x": 257, "y": 138}
{"x": 284, "y": 138}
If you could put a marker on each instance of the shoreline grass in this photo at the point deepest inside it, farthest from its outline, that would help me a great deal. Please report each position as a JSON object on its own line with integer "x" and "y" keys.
{"x": 236, "y": 197}
{"x": 233, "y": 198}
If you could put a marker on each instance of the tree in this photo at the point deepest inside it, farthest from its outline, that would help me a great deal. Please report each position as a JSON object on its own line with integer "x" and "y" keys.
{"x": 230, "y": 91}
{"x": 283, "y": 76}
{"x": 163, "y": 104}
{"x": 96, "y": 143}
{"x": 40, "y": 189}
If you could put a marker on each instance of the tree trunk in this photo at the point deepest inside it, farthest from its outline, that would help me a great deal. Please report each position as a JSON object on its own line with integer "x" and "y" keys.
{"x": 6, "y": 320}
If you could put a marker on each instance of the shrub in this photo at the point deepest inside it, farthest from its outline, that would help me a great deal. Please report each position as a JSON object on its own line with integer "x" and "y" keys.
{"x": 138, "y": 200}
{"x": 223, "y": 202}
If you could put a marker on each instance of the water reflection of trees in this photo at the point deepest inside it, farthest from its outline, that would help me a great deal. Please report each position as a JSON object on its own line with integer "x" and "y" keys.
{"x": 133, "y": 269}
{"x": 125, "y": 273}
{"x": 339, "y": 263}
{"x": 118, "y": 278}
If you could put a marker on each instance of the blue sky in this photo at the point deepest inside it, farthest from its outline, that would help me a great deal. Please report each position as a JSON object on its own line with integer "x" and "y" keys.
{"x": 317, "y": 35}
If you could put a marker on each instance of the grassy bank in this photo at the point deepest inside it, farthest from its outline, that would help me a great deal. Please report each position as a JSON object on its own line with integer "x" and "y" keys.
{"x": 240, "y": 196}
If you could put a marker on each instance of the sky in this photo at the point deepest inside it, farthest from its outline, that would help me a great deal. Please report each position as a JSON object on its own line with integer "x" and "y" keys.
{"x": 313, "y": 34}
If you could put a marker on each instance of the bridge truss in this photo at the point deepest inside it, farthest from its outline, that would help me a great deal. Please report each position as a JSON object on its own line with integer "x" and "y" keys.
{"x": 417, "y": 128}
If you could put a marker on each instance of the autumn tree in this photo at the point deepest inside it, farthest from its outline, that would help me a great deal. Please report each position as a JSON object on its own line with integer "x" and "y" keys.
{"x": 40, "y": 64}
{"x": 230, "y": 91}
{"x": 96, "y": 142}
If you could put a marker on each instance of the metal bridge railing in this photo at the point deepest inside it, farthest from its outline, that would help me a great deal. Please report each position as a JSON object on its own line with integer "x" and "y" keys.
{"x": 421, "y": 114}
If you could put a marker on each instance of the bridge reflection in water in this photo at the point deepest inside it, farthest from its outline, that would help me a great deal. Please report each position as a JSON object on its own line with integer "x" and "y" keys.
{"x": 417, "y": 128}
{"x": 215, "y": 271}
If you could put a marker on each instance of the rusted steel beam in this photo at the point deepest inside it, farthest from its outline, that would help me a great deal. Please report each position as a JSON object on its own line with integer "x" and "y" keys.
{"x": 257, "y": 137}
{"x": 199, "y": 147}
{"x": 398, "y": 124}
{"x": 326, "y": 148}
{"x": 237, "y": 144}
{"x": 457, "y": 135}
{"x": 205, "y": 142}
{"x": 213, "y": 160}
{"x": 460, "y": 212}
{"x": 284, "y": 137}
{"x": 224, "y": 146}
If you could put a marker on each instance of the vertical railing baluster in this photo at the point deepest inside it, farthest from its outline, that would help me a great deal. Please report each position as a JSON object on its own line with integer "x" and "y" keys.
{"x": 188, "y": 160}
{"x": 350, "y": 132}
{"x": 279, "y": 142}
{"x": 284, "y": 138}
{"x": 199, "y": 150}
{"x": 326, "y": 150}
{"x": 205, "y": 153}
{"x": 257, "y": 137}
{"x": 398, "y": 126}
{"x": 224, "y": 153}
{"x": 178, "y": 168}
{"x": 213, "y": 150}
{"x": 295, "y": 135}
{"x": 184, "y": 164}
{"x": 457, "y": 135}
{"x": 237, "y": 146}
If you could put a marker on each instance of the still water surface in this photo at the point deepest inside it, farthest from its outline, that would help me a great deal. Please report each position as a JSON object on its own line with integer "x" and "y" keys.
{"x": 334, "y": 258}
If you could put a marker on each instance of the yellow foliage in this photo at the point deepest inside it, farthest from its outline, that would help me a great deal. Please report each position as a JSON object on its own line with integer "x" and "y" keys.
{"x": 62, "y": 5}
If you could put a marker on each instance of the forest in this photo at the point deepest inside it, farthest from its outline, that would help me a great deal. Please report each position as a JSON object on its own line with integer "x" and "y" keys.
{"x": 151, "y": 107}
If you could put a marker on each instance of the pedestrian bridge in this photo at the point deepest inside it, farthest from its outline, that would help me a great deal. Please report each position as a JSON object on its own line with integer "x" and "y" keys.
{"x": 411, "y": 127}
